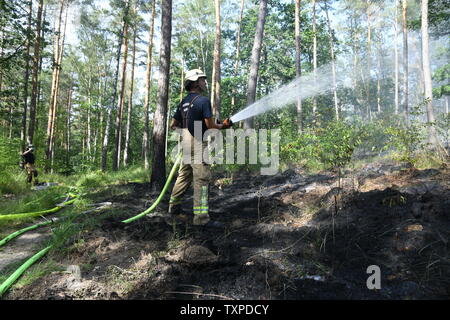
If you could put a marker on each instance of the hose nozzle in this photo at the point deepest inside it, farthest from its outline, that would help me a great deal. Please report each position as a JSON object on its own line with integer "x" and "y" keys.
{"x": 227, "y": 123}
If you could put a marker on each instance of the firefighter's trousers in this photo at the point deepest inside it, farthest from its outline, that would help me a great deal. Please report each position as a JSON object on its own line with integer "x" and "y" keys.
{"x": 196, "y": 172}
{"x": 31, "y": 172}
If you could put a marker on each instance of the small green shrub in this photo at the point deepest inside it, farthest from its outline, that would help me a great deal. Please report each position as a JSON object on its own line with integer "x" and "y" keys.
{"x": 330, "y": 147}
{"x": 406, "y": 140}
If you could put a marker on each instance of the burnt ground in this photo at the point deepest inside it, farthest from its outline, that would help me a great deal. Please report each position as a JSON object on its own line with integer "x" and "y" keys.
{"x": 288, "y": 236}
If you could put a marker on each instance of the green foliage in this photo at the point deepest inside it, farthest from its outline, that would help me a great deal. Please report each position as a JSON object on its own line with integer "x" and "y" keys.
{"x": 332, "y": 146}
{"x": 12, "y": 180}
{"x": 443, "y": 127}
{"x": 336, "y": 143}
{"x": 9, "y": 154}
{"x": 407, "y": 140}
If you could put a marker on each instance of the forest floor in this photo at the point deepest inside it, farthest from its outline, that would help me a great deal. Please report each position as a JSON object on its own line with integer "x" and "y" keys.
{"x": 289, "y": 236}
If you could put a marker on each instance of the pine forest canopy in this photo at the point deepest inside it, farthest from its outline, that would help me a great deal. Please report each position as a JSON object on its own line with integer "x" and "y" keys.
{"x": 80, "y": 79}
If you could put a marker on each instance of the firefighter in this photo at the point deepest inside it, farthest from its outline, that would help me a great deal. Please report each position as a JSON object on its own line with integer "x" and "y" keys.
{"x": 28, "y": 160}
{"x": 194, "y": 107}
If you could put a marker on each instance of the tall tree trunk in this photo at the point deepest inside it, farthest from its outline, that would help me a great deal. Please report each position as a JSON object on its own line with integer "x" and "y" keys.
{"x": 68, "y": 127}
{"x": 418, "y": 68}
{"x": 379, "y": 39}
{"x": 254, "y": 62}
{"x": 35, "y": 76}
{"x": 126, "y": 149}
{"x": 298, "y": 65}
{"x": 432, "y": 137}
{"x": 109, "y": 115}
{"x": 369, "y": 57}
{"x": 314, "y": 99}
{"x": 159, "y": 123}
{"x": 11, "y": 117}
{"x": 109, "y": 110}
{"x": 237, "y": 55}
{"x": 23, "y": 133}
{"x": 333, "y": 62}
{"x": 182, "y": 78}
{"x": 405, "y": 60}
{"x": 57, "y": 59}
{"x": 356, "y": 67}
{"x": 41, "y": 59}
{"x": 88, "y": 124}
{"x": 2, "y": 51}
{"x": 120, "y": 105}
{"x": 396, "y": 76}
{"x": 447, "y": 97}
{"x": 145, "y": 140}
{"x": 215, "y": 90}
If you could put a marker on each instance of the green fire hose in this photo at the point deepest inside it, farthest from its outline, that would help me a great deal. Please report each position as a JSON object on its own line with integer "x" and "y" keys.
{"x": 166, "y": 186}
{"x": 19, "y": 232}
{"x": 15, "y": 216}
{"x": 12, "y": 278}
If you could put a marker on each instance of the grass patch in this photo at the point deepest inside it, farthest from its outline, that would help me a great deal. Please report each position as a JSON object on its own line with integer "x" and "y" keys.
{"x": 13, "y": 182}
{"x": 38, "y": 270}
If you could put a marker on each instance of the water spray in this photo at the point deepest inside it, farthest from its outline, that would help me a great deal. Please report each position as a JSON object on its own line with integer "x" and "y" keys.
{"x": 302, "y": 87}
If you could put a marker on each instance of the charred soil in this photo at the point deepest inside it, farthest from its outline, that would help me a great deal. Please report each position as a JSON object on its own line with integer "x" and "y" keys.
{"x": 289, "y": 236}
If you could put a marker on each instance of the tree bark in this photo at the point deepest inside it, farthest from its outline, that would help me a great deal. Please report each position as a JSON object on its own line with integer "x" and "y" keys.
{"x": 57, "y": 59}
{"x": 145, "y": 140}
{"x": 215, "y": 90}
{"x": 109, "y": 115}
{"x": 236, "y": 62}
{"x": 427, "y": 76}
{"x": 333, "y": 63}
{"x": 68, "y": 127}
{"x": 314, "y": 99}
{"x": 369, "y": 56}
{"x": 298, "y": 65}
{"x": 379, "y": 39}
{"x": 23, "y": 133}
{"x": 396, "y": 75}
{"x": 126, "y": 149}
{"x": 41, "y": 59}
{"x": 120, "y": 105}
{"x": 159, "y": 133}
{"x": 254, "y": 62}
{"x": 35, "y": 76}
{"x": 417, "y": 66}
{"x": 405, "y": 61}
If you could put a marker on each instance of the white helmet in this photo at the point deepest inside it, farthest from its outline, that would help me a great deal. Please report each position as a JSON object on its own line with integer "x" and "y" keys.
{"x": 194, "y": 74}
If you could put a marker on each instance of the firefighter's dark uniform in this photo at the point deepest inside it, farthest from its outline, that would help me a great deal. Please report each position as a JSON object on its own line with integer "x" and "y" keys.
{"x": 193, "y": 107}
{"x": 29, "y": 159}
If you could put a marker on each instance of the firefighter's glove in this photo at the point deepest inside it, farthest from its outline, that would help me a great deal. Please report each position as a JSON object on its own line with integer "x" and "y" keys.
{"x": 227, "y": 123}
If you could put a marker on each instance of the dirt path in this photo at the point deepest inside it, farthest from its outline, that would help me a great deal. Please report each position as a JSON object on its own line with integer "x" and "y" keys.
{"x": 22, "y": 247}
{"x": 290, "y": 236}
